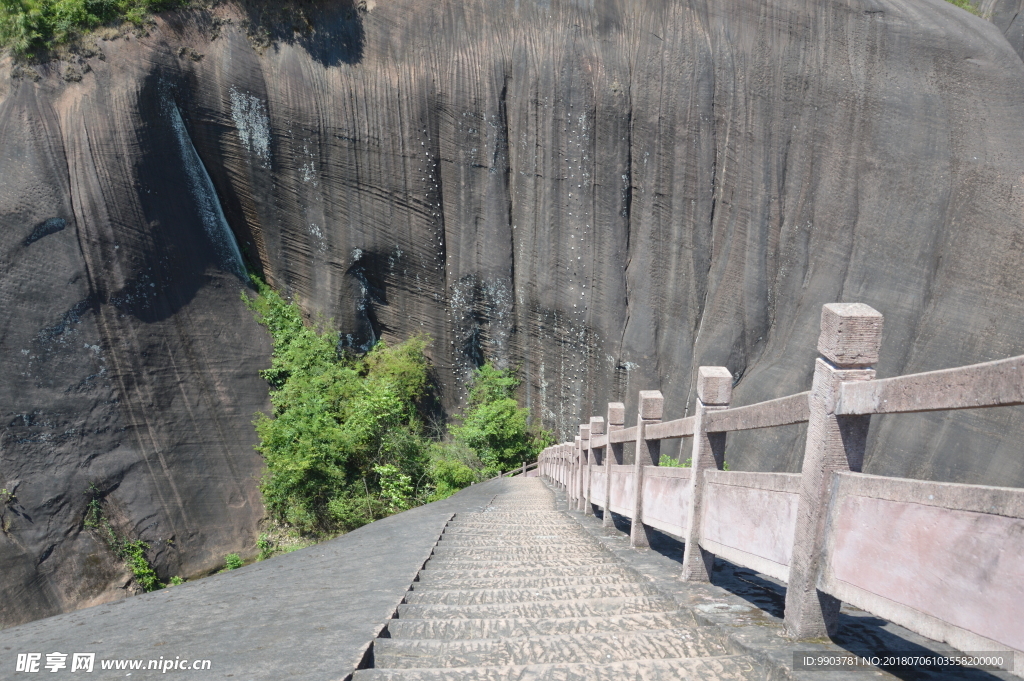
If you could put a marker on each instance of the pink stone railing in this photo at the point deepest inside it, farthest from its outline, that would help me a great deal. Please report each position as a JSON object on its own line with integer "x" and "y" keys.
{"x": 944, "y": 560}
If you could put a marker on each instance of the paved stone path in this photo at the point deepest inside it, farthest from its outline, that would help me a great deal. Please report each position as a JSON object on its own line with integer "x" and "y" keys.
{"x": 519, "y": 591}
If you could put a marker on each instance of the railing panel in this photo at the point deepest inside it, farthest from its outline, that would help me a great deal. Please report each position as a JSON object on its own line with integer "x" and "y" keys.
{"x": 749, "y": 518}
{"x": 941, "y": 559}
{"x": 990, "y": 384}
{"x": 670, "y": 429}
{"x": 784, "y": 411}
{"x": 599, "y": 441}
{"x": 666, "y": 499}
{"x": 597, "y": 477}
{"x": 621, "y": 493}
{"x": 624, "y": 435}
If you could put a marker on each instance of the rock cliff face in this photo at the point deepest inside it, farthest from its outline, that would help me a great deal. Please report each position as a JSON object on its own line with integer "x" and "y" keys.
{"x": 607, "y": 193}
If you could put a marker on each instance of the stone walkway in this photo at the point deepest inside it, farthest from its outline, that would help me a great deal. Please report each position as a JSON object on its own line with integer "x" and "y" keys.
{"x": 520, "y": 591}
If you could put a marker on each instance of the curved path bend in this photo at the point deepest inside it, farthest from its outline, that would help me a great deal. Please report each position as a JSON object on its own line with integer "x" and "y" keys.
{"x": 520, "y": 591}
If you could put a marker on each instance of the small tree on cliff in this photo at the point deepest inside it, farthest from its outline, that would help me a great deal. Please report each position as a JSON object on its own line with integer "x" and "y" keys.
{"x": 494, "y": 426}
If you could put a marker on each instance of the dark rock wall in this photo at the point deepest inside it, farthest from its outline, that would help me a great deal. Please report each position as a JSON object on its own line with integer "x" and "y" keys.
{"x": 605, "y": 193}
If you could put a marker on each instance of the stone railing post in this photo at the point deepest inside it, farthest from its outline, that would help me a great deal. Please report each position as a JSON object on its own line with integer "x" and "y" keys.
{"x": 647, "y": 454}
{"x": 612, "y": 455}
{"x": 563, "y": 463}
{"x": 581, "y": 481}
{"x": 596, "y": 428}
{"x": 851, "y": 334}
{"x": 714, "y": 391}
{"x": 574, "y": 483}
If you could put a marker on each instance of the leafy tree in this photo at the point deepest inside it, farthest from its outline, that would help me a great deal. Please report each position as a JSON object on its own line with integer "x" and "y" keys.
{"x": 494, "y": 425}
{"x": 345, "y": 440}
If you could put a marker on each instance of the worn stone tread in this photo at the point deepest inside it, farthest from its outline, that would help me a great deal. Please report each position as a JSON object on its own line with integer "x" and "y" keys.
{"x": 526, "y": 626}
{"x": 437, "y": 576}
{"x": 555, "y": 593}
{"x": 518, "y": 591}
{"x": 538, "y": 582}
{"x": 465, "y": 563}
{"x": 591, "y": 648}
{"x": 721, "y": 668}
{"x": 588, "y": 607}
{"x": 518, "y": 553}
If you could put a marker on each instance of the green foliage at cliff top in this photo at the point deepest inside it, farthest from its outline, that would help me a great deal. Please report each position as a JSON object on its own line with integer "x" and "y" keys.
{"x": 30, "y": 26}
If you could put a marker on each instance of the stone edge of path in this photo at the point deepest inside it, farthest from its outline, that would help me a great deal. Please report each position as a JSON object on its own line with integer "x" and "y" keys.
{"x": 312, "y": 614}
{"x": 753, "y": 631}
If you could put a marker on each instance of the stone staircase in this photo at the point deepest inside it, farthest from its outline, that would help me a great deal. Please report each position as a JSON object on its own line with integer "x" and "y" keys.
{"x": 519, "y": 591}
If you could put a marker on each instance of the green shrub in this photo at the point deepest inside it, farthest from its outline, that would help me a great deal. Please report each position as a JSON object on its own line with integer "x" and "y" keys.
{"x": 395, "y": 488}
{"x": 233, "y": 561}
{"x": 494, "y": 426}
{"x": 134, "y": 555}
{"x": 669, "y": 462}
{"x": 27, "y": 26}
{"x": 966, "y": 5}
{"x": 175, "y": 581}
{"x": 345, "y": 443}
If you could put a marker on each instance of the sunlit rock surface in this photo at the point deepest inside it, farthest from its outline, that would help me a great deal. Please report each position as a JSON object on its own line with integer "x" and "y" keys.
{"x": 606, "y": 194}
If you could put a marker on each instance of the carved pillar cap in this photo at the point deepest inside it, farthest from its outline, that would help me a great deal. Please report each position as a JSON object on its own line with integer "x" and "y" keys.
{"x": 851, "y": 334}
{"x": 714, "y": 385}
{"x": 651, "y": 405}
{"x": 596, "y": 425}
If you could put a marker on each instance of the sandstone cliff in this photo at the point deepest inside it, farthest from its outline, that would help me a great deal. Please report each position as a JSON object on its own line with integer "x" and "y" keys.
{"x": 606, "y": 193}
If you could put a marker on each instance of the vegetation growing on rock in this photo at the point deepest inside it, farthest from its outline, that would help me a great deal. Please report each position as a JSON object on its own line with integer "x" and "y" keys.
{"x": 28, "y": 26}
{"x": 347, "y": 442}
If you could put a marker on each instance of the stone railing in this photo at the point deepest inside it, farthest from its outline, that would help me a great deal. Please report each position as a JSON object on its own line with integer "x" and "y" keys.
{"x": 944, "y": 560}
{"x": 517, "y": 471}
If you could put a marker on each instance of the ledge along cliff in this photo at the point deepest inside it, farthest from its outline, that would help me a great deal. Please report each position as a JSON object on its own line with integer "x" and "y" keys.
{"x": 606, "y": 194}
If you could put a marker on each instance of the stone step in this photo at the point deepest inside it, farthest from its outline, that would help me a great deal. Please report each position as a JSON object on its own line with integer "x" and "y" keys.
{"x": 538, "y": 552}
{"x": 594, "y": 648}
{"x": 496, "y": 542}
{"x": 512, "y": 534}
{"x": 587, "y": 607}
{"x": 725, "y": 668}
{"x": 520, "y": 627}
{"x": 557, "y": 593}
{"x": 542, "y": 582}
{"x": 512, "y": 522}
{"x": 512, "y": 513}
{"x": 554, "y": 563}
{"x": 431, "y": 576}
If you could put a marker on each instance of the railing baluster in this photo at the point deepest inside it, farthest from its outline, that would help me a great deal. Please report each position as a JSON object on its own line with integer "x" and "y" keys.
{"x": 647, "y": 453}
{"x": 612, "y": 455}
{"x": 851, "y": 334}
{"x": 714, "y": 391}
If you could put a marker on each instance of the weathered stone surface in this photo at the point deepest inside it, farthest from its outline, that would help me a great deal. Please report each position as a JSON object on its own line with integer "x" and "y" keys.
{"x": 608, "y": 196}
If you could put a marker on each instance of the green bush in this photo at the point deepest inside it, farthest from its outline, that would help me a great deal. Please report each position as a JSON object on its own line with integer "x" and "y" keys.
{"x": 494, "y": 426}
{"x": 669, "y": 462}
{"x": 345, "y": 443}
{"x": 966, "y": 5}
{"x": 27, "y": 26}
{"x": 134, "y": 555}
{"x": 233, "y": 561}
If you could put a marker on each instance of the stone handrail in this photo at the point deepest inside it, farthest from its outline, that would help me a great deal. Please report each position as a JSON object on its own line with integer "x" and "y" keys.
{"x": 517, "y": 471}
{"x": 891, "y": 546}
